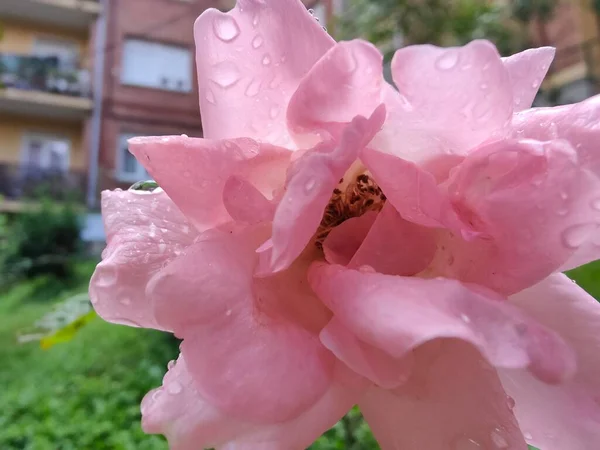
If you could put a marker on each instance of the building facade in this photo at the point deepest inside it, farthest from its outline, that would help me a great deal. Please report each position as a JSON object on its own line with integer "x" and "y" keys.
{"x": 45, "y": 96}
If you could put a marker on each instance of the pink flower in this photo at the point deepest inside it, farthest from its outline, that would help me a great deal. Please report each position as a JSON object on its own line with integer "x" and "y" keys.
{"x": 333, "y": 241}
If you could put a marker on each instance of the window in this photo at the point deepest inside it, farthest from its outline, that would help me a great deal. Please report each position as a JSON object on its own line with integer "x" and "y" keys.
{"x": 128, "y": 168}
{"x": 67, "y": 52}
{"x": 155, "y": 65}
{"x": 47, "y": 153}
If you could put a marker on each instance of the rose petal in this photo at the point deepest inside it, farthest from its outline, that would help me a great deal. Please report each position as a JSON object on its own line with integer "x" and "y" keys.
{"x": 413, "y": 191}
{"x": 249, "y": 65}
{"x": 245, "y": 203}
{"x": 144, "y": 231}
{"x": 365, "y": 359}
{"x": 398, "y": 314}
{"x": 247, "y": 359}
{"x": 394, "y": 246}
{"x": 451, "y": 100}
{"x": 453, "y": 400}
{"x": 565, "y": 416}
{"x": 194, "y": 171}
{"x": 309, "y": 187}
{"x": 344, "y": 240}
{"x": 179, "y": 411}
{"x": 530, "y": 202}
{"x": 527, "y": 69}
{"x": 344, "y": 84}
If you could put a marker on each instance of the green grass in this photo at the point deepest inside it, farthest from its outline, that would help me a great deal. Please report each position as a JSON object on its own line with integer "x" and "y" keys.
{"x": 83, "y": 394}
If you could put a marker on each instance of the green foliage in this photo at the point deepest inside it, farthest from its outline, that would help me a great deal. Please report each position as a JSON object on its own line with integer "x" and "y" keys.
{"x": 528, "y": 10}
{"x": 437, "y": 22}
{"x": 42, "y": 241}
{"x": 83, "y": 394}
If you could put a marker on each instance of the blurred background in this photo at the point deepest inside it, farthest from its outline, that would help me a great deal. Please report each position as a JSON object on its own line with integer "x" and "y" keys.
{"x": 77, "y": 79}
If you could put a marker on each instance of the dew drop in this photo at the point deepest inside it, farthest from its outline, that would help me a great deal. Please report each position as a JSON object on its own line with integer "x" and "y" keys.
{"x": 257, "y": 41}
{"x": 226, "y": 74}
{"x": 276, "y": 81}
{"x": 162, "y": 247}
{"x": 310, "y": 185}
{"x": 510, "y": 402}
{"x": 498, "y": 439}
{"x": 311, "y": 12}
{"x": 255, "y": 20}
{"x": 253, "y": 88}
{"x": 517, "y": 101}
{"x": 483, "y": 86}
{"x": 595, "y": 204}
{"x": 576, "y": 235}
{"x": 274, "y": 112}
{"x": 184, "y": 135}
{"x": 467, "y": 444}
{"x": 210, "y": 96}
{"x": 465, "y": 318}
{"x": 174, "y": 388}
{"x": 535, "y": 84}
{"x": 562, "y": 211}
{"x": 366, "y": 269}
{"x": 564, "y": 195}
{"x": 228, "y": 312}
{"x": 152, "y": 230}
{"x": 125, "y": 301}
{"x": 170, "y": 365}
{"x": 156, "y": 394}
{"x": 226, "y": 28}
{"x": 266, "y": 60}
{"x": 185, "y": 229}
{"x": 448, "y": 60}
{"x": 527, "y": 436}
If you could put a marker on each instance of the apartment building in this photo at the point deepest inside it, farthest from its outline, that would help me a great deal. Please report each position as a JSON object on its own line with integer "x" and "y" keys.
{"x": 45, "y": 96}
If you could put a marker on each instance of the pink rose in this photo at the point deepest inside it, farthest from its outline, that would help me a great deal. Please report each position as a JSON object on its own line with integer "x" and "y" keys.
{"x": 333, "y": 241}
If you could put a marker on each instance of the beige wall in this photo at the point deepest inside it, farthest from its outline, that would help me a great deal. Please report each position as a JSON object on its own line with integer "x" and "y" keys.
{"x": 20, "y": 37}
{"x": 13, "y": 130}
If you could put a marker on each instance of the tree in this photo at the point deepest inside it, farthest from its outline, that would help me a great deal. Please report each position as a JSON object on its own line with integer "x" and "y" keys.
{"x": 440, "y": 22}
{"x": 538, "y": 11}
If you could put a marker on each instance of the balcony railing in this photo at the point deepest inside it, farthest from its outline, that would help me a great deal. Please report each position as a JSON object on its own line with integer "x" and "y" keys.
{"x": 36, "y": 73}
{"x": 23, "y": 182}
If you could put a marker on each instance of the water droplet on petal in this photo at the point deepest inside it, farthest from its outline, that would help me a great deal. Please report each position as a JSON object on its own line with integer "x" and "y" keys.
{"x": 517, "y": 101}
{"x": 226, "y": 28}
{"x": 366, "y": 269}
{"x": 174, "y": 388}
{"x": 448, "y": 60}
{"x": 574, "y": 236}
{"x": 498, "y": 438}
{"x": 257, "y": 41}
{"x": 274, "y": 112}
{"x": 125, "y": 301}
{"x": 276, "y": 81}
{"x": 162, "y": 247}
{"x": 311, "y": 12}
{"x": 465, "y": 318}
{"x": 184, "y": 135}
{"x": 226, "y": 74}
{"x": 228, "y": 312}
{"x": 152, "y": 230}
{"x": 536, "y": 83}
{"x": 510, "y": 402}
{"x": 310, "y": 185}
{"x": 170, "y": 365}
{"x": 253, "y": 88}
{"x": 210, "y": 96}
{"x": 255, "y": 20}
{"x": 483, "y": 86}
{"x": 564, "y": 195}
{"x": 465, "y": 443}
{"x": 562, "y": 211}
{"x": 595, "y": 204}
{"x": 146, "y": 186}
{"x": 266, "y": 60}
{"x": 527, "y": 436}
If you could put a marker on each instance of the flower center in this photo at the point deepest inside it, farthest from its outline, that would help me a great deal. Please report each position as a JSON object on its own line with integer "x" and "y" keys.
{"x": 355, "y": 195}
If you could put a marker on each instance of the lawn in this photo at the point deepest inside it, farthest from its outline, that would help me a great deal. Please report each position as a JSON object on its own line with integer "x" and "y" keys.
{"x": 85, "y": 394}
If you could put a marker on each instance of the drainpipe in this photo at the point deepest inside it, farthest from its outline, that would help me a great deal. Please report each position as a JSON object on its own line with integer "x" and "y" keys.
{"x": 96, "y": 123}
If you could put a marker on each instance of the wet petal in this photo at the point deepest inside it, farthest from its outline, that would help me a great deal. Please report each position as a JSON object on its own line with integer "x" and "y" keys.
{"x": 194, "y": 171}
{"x": 450, "y": 101}
{"x": 344, "y": 84}
{"x": 344, "y": 240}
{"x": 564, "y": 416}
{"x": 453, "y": 400}
{"x": 250, "y": 64}
{"x": 398, "y": 314}
{"x": 530, "y": 202}
{"x": 145, "y": 231}
{"x": 394, "y": 246}
{"x": 527, "y": 70}
{"x": 309, "y": 187}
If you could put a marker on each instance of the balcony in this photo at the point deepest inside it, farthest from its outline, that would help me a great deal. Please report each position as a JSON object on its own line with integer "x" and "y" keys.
{"x": 20, "y": 183}
{"x": 37, "y": 86}
{"x": 66, "y": 14}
